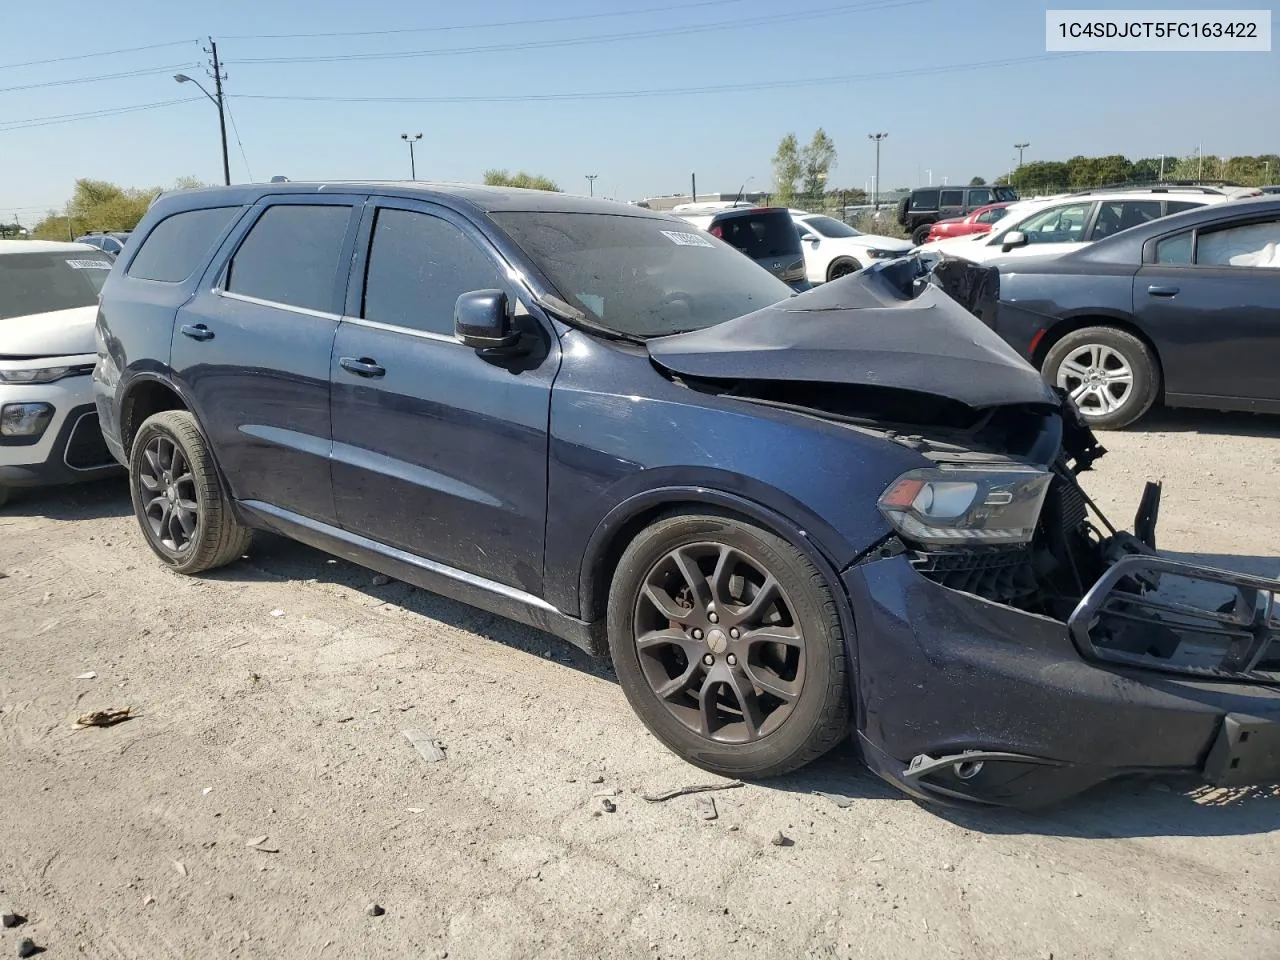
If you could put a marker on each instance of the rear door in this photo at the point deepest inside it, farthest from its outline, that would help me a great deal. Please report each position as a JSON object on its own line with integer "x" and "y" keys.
{"x": 437, "y": 450}
{"x": 1211, "y": 302}
{"x": 253, "y": 347}
{"x": 951, "y": 204}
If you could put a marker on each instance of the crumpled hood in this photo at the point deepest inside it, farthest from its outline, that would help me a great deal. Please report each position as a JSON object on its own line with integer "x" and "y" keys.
{"x": 60, "y": 333}
{"x": 862, "y": 330}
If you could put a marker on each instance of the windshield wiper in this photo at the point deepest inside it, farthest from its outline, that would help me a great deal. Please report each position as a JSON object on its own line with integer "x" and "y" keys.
{"x": 572, "y": 315}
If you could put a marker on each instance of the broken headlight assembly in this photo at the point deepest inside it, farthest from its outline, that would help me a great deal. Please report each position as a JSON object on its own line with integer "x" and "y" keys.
{"x": 962, "y": 506}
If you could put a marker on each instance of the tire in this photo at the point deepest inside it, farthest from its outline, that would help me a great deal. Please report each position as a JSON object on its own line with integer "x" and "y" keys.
{"x": 1112, "y": 375}
{"x": 802, "y": 712}
{"x": 842, "y": 268}
{"x": 920, "y": 234}
{"x": 4, "y": 496}
{"x": 186, "y": 519}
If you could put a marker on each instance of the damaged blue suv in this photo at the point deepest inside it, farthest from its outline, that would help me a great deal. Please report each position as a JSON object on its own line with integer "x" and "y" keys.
{"x": 784, "y": 517}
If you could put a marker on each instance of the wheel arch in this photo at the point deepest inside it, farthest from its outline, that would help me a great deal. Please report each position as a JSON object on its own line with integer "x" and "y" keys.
{"x": 145, "y": 396}
{"x": 1068, "y": 325}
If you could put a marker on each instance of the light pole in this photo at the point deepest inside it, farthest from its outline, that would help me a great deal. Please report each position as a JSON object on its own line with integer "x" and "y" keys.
{"x": 217, "y": 102}
{"x": 930, "y": 175}
{"x": 1199, "y": 163}
{"x": 591, "y": 183}
{"x": 1020, "y": 147}
{"x": 877, "y": 137}
{"x": 413, "y": 166}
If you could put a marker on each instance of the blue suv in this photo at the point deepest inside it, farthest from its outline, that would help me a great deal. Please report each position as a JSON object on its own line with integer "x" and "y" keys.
{"x": 784, "y": 517}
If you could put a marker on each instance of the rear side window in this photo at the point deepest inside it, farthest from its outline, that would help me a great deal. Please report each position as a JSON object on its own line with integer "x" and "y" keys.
{"x": 418, "y": 267}
{"x": 760, "y": 235}
{"x": 1175, "y": 249}
{"x": 1179, "y": 206}
{"x": 290, "y": 256}
{"x": 924, "y": 200}
{"x": 178, "y": 244}
{"x": 952, "y": 198}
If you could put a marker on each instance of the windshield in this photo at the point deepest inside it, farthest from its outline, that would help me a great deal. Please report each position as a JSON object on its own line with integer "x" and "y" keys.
{"x": 43, "y": 282}
{"x": 831, "y": 227}
{"x": 642, "y": 276}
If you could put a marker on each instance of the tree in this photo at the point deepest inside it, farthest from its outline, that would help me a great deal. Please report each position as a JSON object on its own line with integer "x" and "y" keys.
{"x": 527, "y": 181}
{"x": 817, "y": 159}
{"x": 977, "y": 182}
{"x": 787, "y": 169}
{"x": 1042, "y": 176}
{"x": 97, "y": 205}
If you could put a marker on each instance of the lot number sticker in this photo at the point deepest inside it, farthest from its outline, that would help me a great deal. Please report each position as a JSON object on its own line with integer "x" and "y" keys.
{"x": 687, "y": 239}
{"x": 89, "y": 264}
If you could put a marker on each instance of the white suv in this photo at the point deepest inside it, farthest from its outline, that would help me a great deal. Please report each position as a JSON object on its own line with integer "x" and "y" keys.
{"x": 1057, "y": 225}
{"x": 48, "y": 305}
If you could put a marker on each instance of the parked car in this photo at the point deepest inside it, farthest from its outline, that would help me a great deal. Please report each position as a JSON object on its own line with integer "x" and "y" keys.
{"x": 765, "y": 508}
{"x": 111, "y": 243}
{"x": 980, "y": 221}
{"x": 1273, "y": 188}
{"x": 48, "y": 423}
{"x": 925, "y": 206}
{"x": 833, "y": 249}
{"x": 1057, "y": 225}
{"x": 765, "y": 234}
{"x": 1186, "y": 308}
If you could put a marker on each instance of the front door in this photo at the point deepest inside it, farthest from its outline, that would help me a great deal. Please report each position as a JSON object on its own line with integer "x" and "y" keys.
{"x": 437, "y": 450}
{"x": 252, "y": 348}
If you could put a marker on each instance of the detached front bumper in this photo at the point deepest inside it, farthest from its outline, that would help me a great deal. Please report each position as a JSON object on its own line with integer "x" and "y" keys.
{"x": 964, "y": 699}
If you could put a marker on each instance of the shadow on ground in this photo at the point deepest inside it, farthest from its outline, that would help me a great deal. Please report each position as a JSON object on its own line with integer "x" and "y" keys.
{"x": 1168, "y": 420}
{"x": 83, "y": 501}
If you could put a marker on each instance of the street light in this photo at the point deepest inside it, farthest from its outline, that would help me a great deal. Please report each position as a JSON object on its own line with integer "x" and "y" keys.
{"x": 222, "y": 120}
{"x": 591, "y": 183}
{"x": 1020, "y": 147}
{"x": 877, "y": 137}
{"x": 413, "y": 167}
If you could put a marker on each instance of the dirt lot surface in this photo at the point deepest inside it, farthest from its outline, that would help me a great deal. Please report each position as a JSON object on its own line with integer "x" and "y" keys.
{"x": 270, "y": 701}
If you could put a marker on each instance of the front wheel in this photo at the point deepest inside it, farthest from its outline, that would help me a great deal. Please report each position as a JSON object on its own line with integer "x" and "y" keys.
{"x": 1111, "y": 375}
{"x": 842, "y": 268}
{"x": 728, "y": 646}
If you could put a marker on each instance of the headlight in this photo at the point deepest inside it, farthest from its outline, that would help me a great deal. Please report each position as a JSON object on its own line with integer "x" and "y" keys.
{"x": 948, "y": 506}
{"x": 25, "y": 419}
{"x": 43, "y": 375}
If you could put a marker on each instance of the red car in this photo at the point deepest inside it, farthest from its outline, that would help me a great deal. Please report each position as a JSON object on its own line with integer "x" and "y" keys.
{"x": 980, "y": 221}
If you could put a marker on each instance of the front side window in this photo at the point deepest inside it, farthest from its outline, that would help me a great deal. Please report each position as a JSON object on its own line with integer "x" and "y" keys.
{"x": 979, "y": 198}
{"x": 991, "y": 216}
{"x": 1063, "y": 224}
{"x": 418, "y": 267}
{"x": 44, "y": 282}
{"x": 178, "y": 244}
{"x": 290, "y": 256}
{"x": 1247, "y": 245}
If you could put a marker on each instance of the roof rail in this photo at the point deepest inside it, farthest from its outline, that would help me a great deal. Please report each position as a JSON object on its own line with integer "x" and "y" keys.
{"x": 1202, "y": 186}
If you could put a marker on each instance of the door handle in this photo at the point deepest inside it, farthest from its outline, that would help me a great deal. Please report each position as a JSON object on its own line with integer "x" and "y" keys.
{"x": 197, "y": 331}
{"x": 1157, "y": 291}
{"x": 363, "y": 367}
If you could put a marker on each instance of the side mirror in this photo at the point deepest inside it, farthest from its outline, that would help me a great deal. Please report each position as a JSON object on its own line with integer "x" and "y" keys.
{"x": 1014, "y": 238}
{"x": 480, "y": 321}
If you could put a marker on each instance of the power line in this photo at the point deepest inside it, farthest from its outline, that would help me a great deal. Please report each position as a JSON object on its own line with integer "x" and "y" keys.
{"x": 671, "y": 91}
{"x": 89, "y": 115}
{"x": 149, "y": 71}
{"x": 837, "y": 10}
{"x": 479, "y": 26}
{"x": 102, "y": 53}
{"x": 236, "y": 130}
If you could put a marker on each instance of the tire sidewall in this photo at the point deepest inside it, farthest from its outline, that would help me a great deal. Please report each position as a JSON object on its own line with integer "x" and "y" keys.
{"x": 150, "y": 429}
{"x": 920, "y": 234}
{"x": 1142, "y": 391}
{"x": 842, "y": 268}
{"x": 823, "y": 641}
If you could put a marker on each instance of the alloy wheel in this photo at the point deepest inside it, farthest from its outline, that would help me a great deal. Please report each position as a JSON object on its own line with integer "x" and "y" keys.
{"x": 167, "y": 489}
{"x": 1099, "y": 378}
{"x": 718, "y": 642}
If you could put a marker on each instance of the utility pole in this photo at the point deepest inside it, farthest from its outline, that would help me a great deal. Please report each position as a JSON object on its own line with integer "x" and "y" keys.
{"x": 693, "y": 187}
{"x": 222, "y": 116}
{"x": 591, "y": 183}
{"x": 877, "y": 137}
{"x": 930, "y": 173}
{"x": 1161, "y": 176}
{"x": 413, "y": 166}
{"x": 1199, "y": 161}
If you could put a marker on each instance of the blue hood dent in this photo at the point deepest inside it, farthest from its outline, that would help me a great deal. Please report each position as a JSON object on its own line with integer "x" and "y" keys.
{"x": 863, "y": 331}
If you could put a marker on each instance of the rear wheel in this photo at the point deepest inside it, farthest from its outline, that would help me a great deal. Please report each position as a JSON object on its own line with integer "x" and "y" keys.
{"x": 921, "y": 234}
{"x": 1111, "y": 375}
{"x": 842, "y": 268}
{"x": 178, "y": 498}
{"x": 728, "y": 646}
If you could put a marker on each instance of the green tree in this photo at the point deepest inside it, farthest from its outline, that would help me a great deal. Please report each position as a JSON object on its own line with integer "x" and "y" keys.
{"x": 1042, "y": 176}
{"x": 787, "y": 169}
{"x": 817, "y": 160}
{"x": 526, "y": 181}
{"x": 977, "y": 182}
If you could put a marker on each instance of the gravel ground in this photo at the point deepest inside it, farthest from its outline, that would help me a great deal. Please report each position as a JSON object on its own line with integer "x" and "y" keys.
{"x": 270, "y": 700}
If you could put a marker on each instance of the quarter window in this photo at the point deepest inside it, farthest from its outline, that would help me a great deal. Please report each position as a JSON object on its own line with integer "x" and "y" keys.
{"x": 924, "y": 200}
{"x": 178, "y": 244}
{"x": 1175, "y": 249}
{"x": 418, "y": 267}
{"x": 290, "y": 256}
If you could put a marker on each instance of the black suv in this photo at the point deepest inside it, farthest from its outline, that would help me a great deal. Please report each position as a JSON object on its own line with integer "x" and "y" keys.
{"x": 784, "y": 517}
{"x": 927, "y": 205}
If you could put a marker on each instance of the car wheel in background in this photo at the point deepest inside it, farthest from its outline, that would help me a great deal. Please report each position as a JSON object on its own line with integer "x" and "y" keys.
{"x": 1111, "y": 374}
{"x": 921, "y": 234}
{"x": 4, "y": 496}
{"x": 842, "y": 268}
{"x": 728, "y": 646}
{"x": 178, "y": 498}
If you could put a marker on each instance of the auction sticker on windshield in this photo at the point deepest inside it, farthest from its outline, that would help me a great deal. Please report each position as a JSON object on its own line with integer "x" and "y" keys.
{"x": 687, "y": 239}
{"x": 89, "y": 264}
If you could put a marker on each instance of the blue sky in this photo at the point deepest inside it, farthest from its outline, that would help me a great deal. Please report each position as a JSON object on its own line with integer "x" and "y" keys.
{"x": 957, "y": 123}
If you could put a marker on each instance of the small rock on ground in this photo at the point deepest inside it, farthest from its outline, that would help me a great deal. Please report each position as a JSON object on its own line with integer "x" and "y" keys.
{"x": 27, "y": 947}
{"x": 374, "y": 910}
{"x": 781, "y": 840}
{"x": 12, "y": 919}
{"x": 380, "y": 580}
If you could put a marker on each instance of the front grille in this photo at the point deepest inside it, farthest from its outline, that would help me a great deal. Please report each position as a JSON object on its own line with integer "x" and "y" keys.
{"x": 86, "y": 449}
{"x": 1000, "y": 574}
